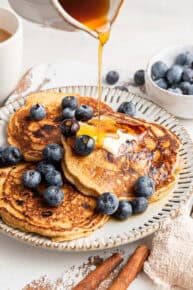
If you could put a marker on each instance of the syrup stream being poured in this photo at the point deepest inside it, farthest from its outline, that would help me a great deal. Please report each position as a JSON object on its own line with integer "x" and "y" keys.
{"x": 95, "y": 15}
{"x": 103, "y": 38}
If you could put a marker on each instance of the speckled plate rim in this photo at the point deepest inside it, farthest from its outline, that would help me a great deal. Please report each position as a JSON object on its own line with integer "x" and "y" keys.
{"x": 148, "y": 110}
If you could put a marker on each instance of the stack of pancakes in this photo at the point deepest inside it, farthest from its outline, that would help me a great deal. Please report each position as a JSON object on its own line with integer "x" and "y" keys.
{"x": 154, "y": 153}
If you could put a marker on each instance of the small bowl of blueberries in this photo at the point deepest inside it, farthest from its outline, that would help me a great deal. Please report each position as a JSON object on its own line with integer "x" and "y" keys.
{"x": 169, "y": 80}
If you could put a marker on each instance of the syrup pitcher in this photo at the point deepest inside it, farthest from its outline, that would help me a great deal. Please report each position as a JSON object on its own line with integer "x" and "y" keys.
{"x": 68, "y": 15}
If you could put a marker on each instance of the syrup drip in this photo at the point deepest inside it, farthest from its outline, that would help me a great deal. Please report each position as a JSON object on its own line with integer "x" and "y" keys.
{"x": 103, "y": 38}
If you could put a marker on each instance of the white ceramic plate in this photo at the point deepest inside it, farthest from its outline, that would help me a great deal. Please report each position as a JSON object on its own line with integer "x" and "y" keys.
{"x": 136, "y": 227}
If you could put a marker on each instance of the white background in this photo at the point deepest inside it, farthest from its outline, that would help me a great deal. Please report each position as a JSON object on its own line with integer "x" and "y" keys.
{"x": 143, "y": 29}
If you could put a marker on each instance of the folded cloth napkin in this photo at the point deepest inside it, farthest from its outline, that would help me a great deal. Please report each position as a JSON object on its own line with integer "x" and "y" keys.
{"x": 170, "y": 264}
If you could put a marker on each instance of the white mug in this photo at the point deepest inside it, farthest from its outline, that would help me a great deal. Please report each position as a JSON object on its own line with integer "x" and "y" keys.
{"x": 11, "y": 52}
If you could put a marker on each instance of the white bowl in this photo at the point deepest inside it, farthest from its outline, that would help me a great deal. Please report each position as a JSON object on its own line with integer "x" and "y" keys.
{"x": 178, "y": 104}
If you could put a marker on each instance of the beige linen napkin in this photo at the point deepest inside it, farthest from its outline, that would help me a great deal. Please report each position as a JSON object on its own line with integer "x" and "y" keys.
{"x": 170, "y": 264}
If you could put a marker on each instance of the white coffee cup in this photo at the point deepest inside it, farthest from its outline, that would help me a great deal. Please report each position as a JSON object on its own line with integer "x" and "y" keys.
{"x": 11, "y": 52}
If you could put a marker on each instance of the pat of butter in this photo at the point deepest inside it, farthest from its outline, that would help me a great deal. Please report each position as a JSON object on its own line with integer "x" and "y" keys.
{"x": 113, "y": 145}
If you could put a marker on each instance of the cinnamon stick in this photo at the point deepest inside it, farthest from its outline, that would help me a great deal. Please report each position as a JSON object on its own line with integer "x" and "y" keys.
{"x": 131, "y": 269}
{"x": 93, "y": 280}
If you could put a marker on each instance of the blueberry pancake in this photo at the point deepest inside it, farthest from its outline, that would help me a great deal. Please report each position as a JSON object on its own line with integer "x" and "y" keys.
{"x": 25, "y": 209}
{"x": 135, "y": 148}
{"x": 31, "y": 133}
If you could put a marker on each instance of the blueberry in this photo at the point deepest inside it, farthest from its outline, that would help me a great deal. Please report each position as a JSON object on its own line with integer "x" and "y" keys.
{"x": 184, "y": 58}
{"x": 38, "y": 112}
{"x": 70, "y": 127}
{"x": 43, "y": 167}
{"x": 181, "y": 59}
{"x": 174, "y": 74}
{"x": 144, "y": 186}
{"x": 11, "y": 156}
{"x": 139, "y": 77}
{"x": 70, "y": 102}
{"x": 31, "y": 179}
{"x": 53, "y": 196}
{"x": 84, "y": 113}
{"x": 184, "y": 87}
{"x": 107, "y": 203}
{"x": 128, "y": 108}
{"x": 68, "y": 113}
{"x": 112, "y": 77}
{"x": 187, "y": 75}
{"x": 124, "y": 210}
{"x": 54, "y": 178}
{"x": 84, "y": 145}
{"x": 190, "y": 90}
{"x": 53, "y": 153}
{"x": 159, "y": 70}
{"x": 189, "y": 58}
{"x": 2, "y": 160}
{"x": 175, "y": 91}
{"x": 139, "y": 205}
{"x": 161, "y": 83}
{"x": 122, "y": 88}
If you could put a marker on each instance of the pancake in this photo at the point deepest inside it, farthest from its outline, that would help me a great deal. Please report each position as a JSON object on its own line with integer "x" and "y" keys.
{"x": 22, "y": 209}
{"x": 150, "y": 149}
{"x": 32, "y": 136}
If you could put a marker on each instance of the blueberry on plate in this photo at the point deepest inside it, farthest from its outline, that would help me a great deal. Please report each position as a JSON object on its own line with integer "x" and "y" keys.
{"x": 122, "y": 88}
{"x": 175, "y": 91}
{"x": 144, "y": 186}
{"x": 139, "y": 77}
{"x": 84, "y": 113}
{"x": 53, "y": 153}
{"x": 31, "y": 179}
{"x": 139, "y": 205}
{"x": 11, "y": 156}
{"x": 38, "y": 112}
{"x": 70, "y": 102}
{"x": 2, "y": 160}
{"x": 124, "y": 210}
{"x": 112, "y": 77}
{"x": 43, "y": 167}
{"x": 190, "y": 90}
{"x": 159, "y": 70}
{"x": 84, "y": 145}
{"x": 174, "y": 74}
{"x": 128, "y": 108}
{"x": 107, "y": 203}
{"x": 68, "y": 113}
{"x": 184, "y": 86}
{"x": 69, "y": 127}
{"x": 187, "y": 75}
{"x": 54, "y": 178}
{"x": 53, "y": 196}
{"x": 162, "y": 83}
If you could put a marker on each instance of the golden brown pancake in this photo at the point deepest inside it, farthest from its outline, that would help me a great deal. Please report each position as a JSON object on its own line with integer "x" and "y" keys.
{"x": 22, "y": 209}
{"x": 153, "y": 151}
{"x": 32, "y": 136}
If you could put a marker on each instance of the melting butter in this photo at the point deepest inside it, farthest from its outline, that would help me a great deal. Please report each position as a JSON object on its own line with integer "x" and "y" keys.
{"x": 113, "y": 145}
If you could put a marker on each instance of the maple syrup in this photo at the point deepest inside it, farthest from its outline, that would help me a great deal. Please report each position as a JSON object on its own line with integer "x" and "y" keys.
{"x": 108, "y": 128}
{"x": 94, "y": 14}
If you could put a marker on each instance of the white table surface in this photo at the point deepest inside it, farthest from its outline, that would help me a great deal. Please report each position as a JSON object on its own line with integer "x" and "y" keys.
{"x": 143, "y": 28}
